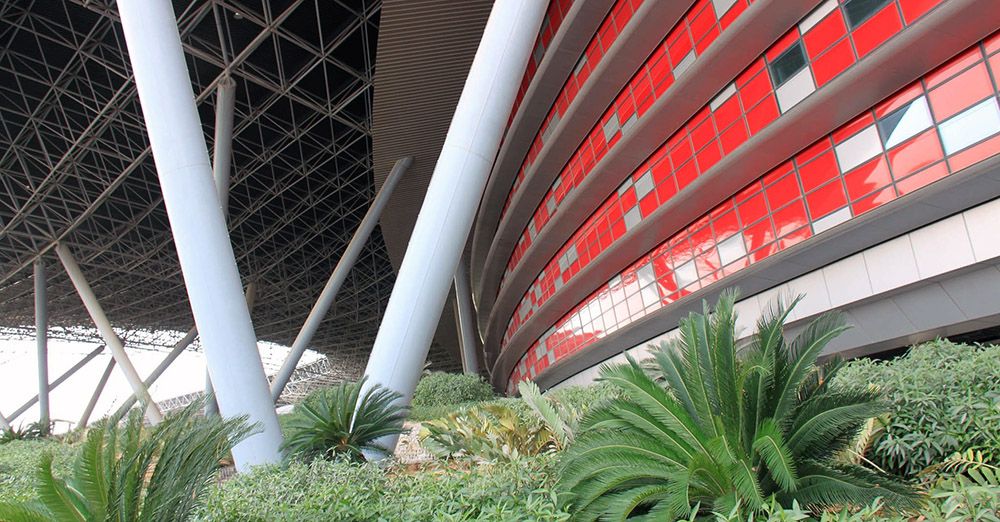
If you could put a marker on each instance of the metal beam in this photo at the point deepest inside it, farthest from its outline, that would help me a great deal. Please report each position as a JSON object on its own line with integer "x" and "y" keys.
{"x": 97, "y": 394}
{"x": 61, "y": 379}
{"x": 111, "y": 338}
{"x": 42, "y": 342}
{"x": 344, "y": 265}
{"x": 466, "y": 320}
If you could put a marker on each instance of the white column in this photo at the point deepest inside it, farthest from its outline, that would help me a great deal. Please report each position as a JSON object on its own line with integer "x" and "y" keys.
{"x": 41, "y": 338}
{"x": 199, "y": 227}
{"x": 4, "y": 425}
{"x": 172, "y": 356}
{"x": 97, "y": 394}
{"x": 103, "y": 325}
{"x": 453, "y": 195}
{"x": 466, "y": 321}
{"x": 344, "y": 265}
{"x": 222, "y": 153}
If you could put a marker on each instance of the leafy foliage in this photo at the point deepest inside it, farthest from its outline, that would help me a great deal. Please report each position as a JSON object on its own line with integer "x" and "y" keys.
{"x": 728, "y": 432}
{"x": 19, "y": 460}
{"x": 491, "y": 432}
{"x": 341, "y": 421}
{"x": 134, "y": 473}
{"x": 32, "y": 431}
{"x": 562, "y": 421}
{"x": 945, "y": 398}
{"x": 323, "y": 490}
{"x": 446, "y": 389}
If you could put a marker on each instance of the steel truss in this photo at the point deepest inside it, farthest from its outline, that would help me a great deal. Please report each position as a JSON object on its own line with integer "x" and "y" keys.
{"x": 76, "y": 168}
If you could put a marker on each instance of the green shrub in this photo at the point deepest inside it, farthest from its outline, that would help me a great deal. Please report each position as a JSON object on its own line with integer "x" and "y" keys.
{"x": 324, "y": 490}
{"x": 341, "y": 421}
{"x": 19, "y": 460}
{"x": 731, "y": 432}
{"x": 441, "y": 389}
{"x": 32, "y": 431}
{"x": 945, "y": 399}
{"x": 490, "y": 431}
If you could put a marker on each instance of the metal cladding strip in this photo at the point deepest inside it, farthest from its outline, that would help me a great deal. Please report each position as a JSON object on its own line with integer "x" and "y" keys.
{"x": 973, "y": 186}
{"x": 564, "y": 51}
{"x": 629, "y": 51}
{"x": 917, "y": 49}
{"x": 745, "y": 40}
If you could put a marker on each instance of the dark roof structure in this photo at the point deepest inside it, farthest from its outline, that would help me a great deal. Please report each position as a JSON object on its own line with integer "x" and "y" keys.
{"x": 76, "y": 167}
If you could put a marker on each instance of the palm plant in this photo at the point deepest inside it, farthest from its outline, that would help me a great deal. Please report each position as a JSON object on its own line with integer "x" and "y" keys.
{"x": 561, "y": 419}
{"x": 341, "y": 421}
{"x": 727, "y": 431}
{"x": 134, "y": 472}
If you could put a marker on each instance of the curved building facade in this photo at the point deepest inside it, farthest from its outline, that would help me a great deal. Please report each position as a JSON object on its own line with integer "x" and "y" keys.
{"x": 659, "y": 152}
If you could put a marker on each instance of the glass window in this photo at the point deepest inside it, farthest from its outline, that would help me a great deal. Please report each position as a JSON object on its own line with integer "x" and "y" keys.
{"x": 858, "y": 11}
{"x": 905, "y": 122}
{"x": 858, "y": 149}
{"x": 788, "y": 63}
{"x": 971, "y": 126}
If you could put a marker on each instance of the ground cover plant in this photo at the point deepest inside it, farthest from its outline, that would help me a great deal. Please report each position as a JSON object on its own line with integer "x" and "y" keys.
{"x": 338, "y": 490}
{"x": 727, "y": 431}
{"x": 19, "y": 459}
{"x": 945, "y": 398}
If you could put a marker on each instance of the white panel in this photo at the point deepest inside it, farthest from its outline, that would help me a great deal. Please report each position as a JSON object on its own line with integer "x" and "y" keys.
{"x": 891, "y": 264}
{"x": 847, "y": 280}
{"x": 722, "y": 6}
{"x": 916, "y": 118}
{"x": 732, "y": 249}
{"x": 831, "y": 220}
{"x": 795, "y": 89}
{"x": 684, "y": 64}
{"x": 686, "y": 274}
{"x": 726, "y": 93}
{"x": 644, "y": 185}
{"x": 611, "y": 127}
{"x": 817, "y": 15}
{"x": 983, "y": 224}
{"x": 858, "y": 149}
{"x": 632, "y": 217}
{"x": 971, "y": 126}
{"x": 942, "y": 247}
{"x": 816, "y": 298}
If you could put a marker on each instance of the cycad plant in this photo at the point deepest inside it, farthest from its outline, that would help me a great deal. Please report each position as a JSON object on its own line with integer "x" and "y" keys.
{"x": 341, "y": 421}
{"x": 134, "y": 472}
{"x": 727, "y": 430}
{"x": 562, "y": 420}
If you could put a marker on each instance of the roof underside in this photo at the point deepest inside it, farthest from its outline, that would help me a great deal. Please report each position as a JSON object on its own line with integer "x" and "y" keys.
{"x": 75, "y": 166}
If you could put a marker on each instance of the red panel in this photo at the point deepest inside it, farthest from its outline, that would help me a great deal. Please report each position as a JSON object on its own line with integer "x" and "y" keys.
{"x": 762, "y": 115}
{"x": 899, "y": 99}
{"x": 831, "y": 64}
{"x": 827, "y": 199}
{"x": 852, "y": 127}
{"x": 868, "y": 177}
{"x": 953, "y": 67}
{"x": 915, "y": 154}
{"x": 975, "y": 154}
{"x": 961, "y": 92}
{"x": 825, "y": 33}
{"x": 819, "y": 171}
{"x": 877, "y": 29}
{"x": 922, "y": 179}
{"x": 913, "y": 9}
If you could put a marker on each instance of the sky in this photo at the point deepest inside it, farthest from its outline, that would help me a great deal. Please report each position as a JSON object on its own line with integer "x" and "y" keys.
{"x": 19, "y": 377}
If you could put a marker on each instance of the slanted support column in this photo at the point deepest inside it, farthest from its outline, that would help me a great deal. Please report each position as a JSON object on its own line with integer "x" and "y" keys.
{"x": 4, "y": 425}
{"x": 97, "y": 394}
{"x": 212, "y": 405}
{"x": 446, "y": 216}
{"x": 172, "y": 356}
{"x": 41, "y": 338}
{"x": 222, "y": 153}
{"x": 466, "y": 321}
{"x": 103, "y": 325}
{"x": 61, "y": 379}
{"x": 198, "y": 224}
{"x": 344, "y": 265}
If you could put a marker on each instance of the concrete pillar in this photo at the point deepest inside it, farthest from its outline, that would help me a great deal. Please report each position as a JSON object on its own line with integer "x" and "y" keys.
{"x": 449, "y": 208}
{"x": 465, "y": 314}
{"x": 103, "y": 325}
{"x": 198, "y": 224}
{"x": 42, "y": 340}
{"x": 344, "y": 265}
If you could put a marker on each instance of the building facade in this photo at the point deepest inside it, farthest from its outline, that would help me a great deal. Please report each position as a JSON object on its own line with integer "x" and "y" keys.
{"x": 659, "y": 152}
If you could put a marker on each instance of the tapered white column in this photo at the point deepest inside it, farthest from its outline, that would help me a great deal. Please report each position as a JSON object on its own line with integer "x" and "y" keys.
{"x": 198, "y": 225}
{"x": 42, "y": 340}
{"x": 453, "y": 195}
{"x": 222, "y": 146}
{"x": 103, "y": 325}
{"x": 466, "y": 321}
{"x": 344, "y": 265}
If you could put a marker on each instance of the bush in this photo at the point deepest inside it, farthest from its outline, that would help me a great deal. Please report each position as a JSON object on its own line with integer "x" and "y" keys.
{"x": 324, "y": 490}
{"x": 19, "y": 460}
{"x": 442, "y": 389}
{"x": 945, "y": 399}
